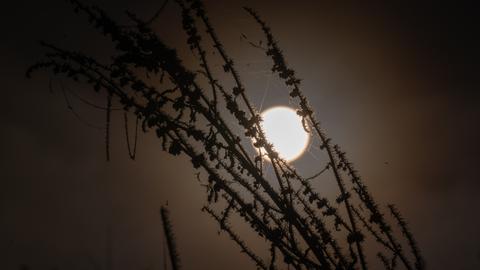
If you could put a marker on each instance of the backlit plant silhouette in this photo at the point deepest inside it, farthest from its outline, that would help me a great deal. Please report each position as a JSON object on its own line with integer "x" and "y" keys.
{"x": 191, "y": 113}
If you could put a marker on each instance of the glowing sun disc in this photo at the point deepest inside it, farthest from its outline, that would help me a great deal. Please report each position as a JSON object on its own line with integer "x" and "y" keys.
{"x": 283, "y": 128}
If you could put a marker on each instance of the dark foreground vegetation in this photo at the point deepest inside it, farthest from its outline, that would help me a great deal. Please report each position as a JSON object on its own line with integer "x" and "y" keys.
{"x": 194, "y": 113}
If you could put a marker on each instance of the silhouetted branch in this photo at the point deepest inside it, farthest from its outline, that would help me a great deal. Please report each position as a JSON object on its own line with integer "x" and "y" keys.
{"x": 419, "y": 263}
{"x": 169, "y": 236}
{"x": 225, "y": 227}
{"x": 189, "y": 115}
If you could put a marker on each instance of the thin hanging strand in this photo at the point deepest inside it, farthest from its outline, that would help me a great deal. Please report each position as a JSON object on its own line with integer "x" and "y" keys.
{"x": 87, "y": 102}
{"x": 70, "y": 107}
{"x": 130, "y": 152}
{"x": 265, "y": 92}
{"x": 107, "y": 126}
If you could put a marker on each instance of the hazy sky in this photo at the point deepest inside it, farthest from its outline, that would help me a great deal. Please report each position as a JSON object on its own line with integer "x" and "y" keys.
{"x": 395, "y": 85}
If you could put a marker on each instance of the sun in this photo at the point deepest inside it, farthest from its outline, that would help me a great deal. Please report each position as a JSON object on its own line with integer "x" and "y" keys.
{"x": 283, "y": 128}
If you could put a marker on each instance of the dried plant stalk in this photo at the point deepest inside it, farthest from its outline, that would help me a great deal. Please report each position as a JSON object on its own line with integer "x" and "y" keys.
{"x": 170, "y": 238}
{"x": 189, "y": 111}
